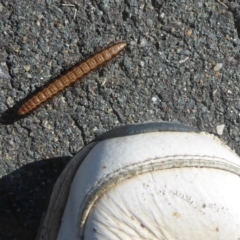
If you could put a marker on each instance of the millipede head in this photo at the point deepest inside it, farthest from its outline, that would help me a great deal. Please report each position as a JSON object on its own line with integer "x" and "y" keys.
{"x": 115, "y": 49}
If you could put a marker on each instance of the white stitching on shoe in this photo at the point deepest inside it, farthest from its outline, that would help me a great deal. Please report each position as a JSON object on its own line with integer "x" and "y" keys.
{"x": 109, "y": 180}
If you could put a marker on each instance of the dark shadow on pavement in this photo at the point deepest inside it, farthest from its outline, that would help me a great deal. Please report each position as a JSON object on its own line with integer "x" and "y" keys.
{"x": 24, "y": 196}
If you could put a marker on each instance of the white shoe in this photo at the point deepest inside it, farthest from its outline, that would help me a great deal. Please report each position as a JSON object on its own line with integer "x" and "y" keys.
{"x": 151, "y": 181}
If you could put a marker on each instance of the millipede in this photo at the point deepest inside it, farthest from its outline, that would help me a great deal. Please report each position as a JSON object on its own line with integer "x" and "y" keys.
{"x": 77, "y": 73}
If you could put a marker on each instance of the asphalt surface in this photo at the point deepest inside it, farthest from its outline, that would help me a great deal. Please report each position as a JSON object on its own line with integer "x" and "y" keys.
{"x": 181, "y": 64}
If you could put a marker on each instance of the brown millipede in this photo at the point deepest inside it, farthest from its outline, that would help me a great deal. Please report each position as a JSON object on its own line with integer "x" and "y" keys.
{"x": 70, "y": 77}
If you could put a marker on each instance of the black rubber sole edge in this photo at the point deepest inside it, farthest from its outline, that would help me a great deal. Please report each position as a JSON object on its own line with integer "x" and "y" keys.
{"x": 134, "y": 129}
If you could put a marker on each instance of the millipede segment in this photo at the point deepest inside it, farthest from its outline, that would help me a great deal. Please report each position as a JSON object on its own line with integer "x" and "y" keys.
{"x": 72, "y": 76}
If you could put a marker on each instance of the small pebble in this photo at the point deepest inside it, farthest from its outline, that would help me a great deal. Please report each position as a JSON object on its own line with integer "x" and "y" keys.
{"x": 188, "y": 33}
{"x": 142, "y": 63}
{"x": 1, "y": 7}
{"x": 143, "y": 42}
{"x": 154, "y": 99}
{"x": 183, "y": 60}
{"x": 27, "y": 68}
{"x": 217, "y": 67}
{"x": 220, "y": 129}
